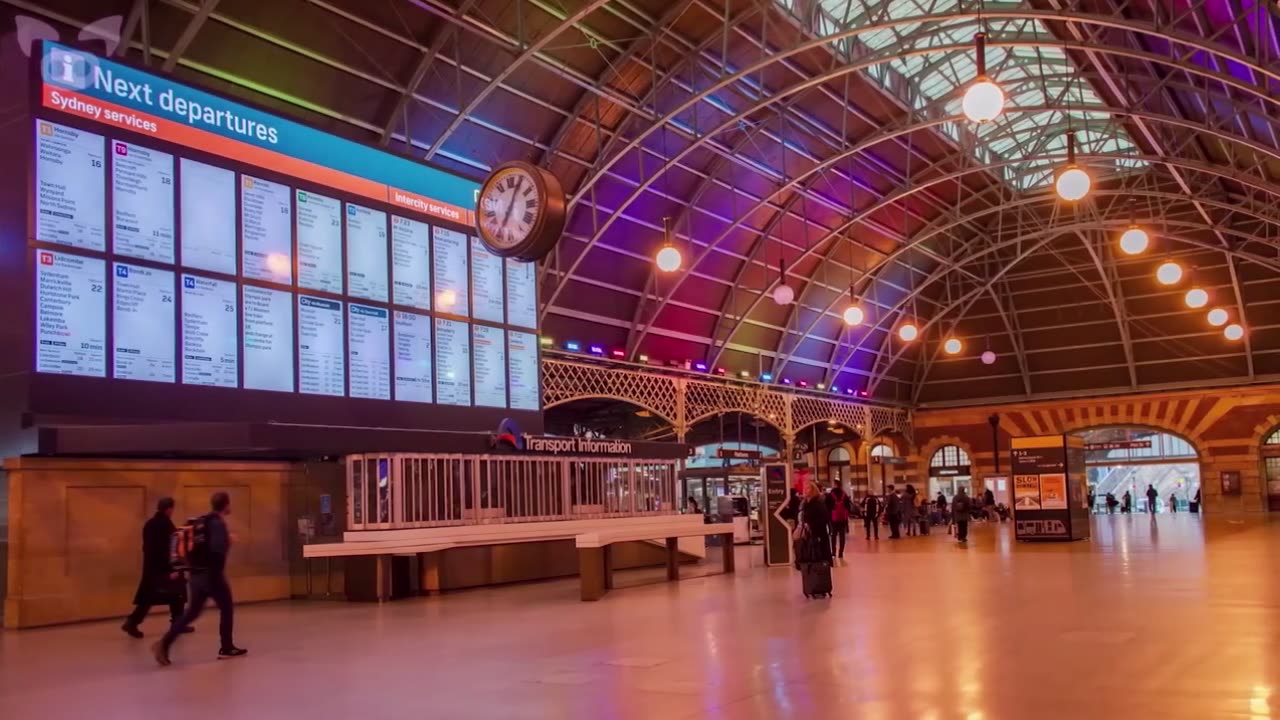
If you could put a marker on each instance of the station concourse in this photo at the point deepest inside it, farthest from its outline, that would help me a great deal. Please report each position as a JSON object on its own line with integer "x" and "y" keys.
{"x": 522, "y": 359}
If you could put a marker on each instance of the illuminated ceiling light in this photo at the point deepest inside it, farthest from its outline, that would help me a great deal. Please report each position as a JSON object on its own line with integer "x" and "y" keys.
{"x": 983, "y": 100}
{"x": 783, "y": 294}
{"x": 1218, "y": 317}
{"x": 953, "y": 346}
{"x": 1233, "y": 331}
{"x": 1135, "y": 240}
{"x": 908, "y": 332}
{"x": 1169, "y": 273}
{"x": 853, "y": 315}
{"x": 988, "y": 357}
{"x": 1196, "y": 298}
{"x": 1073, "y": 182}
{"x": 668, "y": 258}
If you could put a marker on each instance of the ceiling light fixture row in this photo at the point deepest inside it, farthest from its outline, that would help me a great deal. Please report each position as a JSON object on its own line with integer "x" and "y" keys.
{"x": 1170, "y": 273}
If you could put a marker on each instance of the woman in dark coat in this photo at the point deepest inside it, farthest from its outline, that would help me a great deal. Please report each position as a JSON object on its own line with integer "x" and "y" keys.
{"x": 816, "y": 518}
{"x": 159, "y": 585}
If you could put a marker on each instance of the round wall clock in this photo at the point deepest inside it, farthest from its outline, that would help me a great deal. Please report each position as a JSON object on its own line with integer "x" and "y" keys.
{"x": 520, "y": 211}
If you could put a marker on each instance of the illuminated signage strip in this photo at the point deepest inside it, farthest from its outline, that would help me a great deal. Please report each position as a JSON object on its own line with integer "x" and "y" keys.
{"x": 120, "y": 96}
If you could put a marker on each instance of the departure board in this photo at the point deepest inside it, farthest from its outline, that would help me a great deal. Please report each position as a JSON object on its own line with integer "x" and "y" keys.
{"x": 142, "y": 316}
{"x": 413, "y": 357}
{"x": 245, "y": 259}
{"x": 71, "y": 186}
{"x": 319, "y": 221}
{"x": 210, "y": 313}
{"x": 208, "y": 205}
{"x": 266, "y": 230}
{"x": 486, "y": 284}
{"x": 489, "y": 363}
{"x": 449, "y": 262}
{"x": 522, "y": 364}
{"x": 322, "y": 363}
{"x": 453, "y": 362}
{"x": 71, "y": 329}
{"x": 366, "y": 253}
{"x": 411, "y": 262}
{"x": 268, "y": 339}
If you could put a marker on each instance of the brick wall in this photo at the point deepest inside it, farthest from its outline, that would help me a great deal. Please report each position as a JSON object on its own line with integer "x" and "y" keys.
{"x": 1226, "y": 427}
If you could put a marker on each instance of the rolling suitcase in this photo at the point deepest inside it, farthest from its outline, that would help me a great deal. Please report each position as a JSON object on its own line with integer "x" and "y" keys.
{"x": 816, "y": 578}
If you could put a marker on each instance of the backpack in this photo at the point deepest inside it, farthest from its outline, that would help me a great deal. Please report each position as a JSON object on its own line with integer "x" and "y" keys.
{"x": 189, "y": 545}
{"x": 840, "y": 513}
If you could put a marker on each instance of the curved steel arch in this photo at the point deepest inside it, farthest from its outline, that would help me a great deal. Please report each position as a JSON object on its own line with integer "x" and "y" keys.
{"x": 1047, "y": 235}
{"x": 1085, "y": 19}
{"x": 532, "y": 50}
{"x": 1266, "y": 187}
{"x": 617, "y": 398}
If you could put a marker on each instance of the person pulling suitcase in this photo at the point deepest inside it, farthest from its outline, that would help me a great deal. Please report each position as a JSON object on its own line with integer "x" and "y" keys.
{"x": 813, "y": 544}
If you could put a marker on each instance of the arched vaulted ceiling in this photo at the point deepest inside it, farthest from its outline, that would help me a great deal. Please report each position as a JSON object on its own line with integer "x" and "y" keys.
{"x": 823, "y": 136}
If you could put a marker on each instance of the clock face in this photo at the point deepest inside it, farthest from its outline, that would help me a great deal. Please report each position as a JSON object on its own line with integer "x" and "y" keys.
{"x": 510, "y": 206}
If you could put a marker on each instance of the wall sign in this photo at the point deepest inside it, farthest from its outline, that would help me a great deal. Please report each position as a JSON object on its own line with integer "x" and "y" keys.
{"x": 1230, "y": 482}
{"x": 1049, "y": 488}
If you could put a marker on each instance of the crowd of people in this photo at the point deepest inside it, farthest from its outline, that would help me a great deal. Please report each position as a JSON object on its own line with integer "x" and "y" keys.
{"x": 902, "y": 510}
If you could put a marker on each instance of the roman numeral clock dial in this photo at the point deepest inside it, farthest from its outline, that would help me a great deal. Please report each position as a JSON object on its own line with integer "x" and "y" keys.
{"x": 520, "y": 211}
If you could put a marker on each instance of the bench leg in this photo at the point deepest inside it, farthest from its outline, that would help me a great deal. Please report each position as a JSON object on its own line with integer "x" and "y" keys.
{"x": 591, "y": 572}
{"x": 384, "y": 577}
{"x": 726, "y": 543}
{"x": 608, "y": 566}
{"x": 673, "y": 559}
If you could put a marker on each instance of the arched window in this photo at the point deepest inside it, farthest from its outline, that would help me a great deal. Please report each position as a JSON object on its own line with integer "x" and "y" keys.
{"x": 838, "y": 456}
{"x": 949, "y": 457}
{"x": 880, "y": 450}
{"x": 1271, "y": 467}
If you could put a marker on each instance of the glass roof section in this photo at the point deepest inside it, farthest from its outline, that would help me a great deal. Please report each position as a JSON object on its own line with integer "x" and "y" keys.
{"x": 1033, "y": 75}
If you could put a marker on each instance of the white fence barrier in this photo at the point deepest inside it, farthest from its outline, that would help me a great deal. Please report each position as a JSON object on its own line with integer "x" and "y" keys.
{"x": 393, "y": 491}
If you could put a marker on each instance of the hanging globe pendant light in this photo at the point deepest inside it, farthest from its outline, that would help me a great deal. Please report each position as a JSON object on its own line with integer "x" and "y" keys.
{"x": 853, "y": 315}
{"x": 668, "y": 258}
{"x": 1073, "y": 182}
{"x": 983, "y": 100}
{"x": 783, "y": 294}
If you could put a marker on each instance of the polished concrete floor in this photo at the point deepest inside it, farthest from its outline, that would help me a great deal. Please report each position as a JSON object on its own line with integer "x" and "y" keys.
{"x": 1176, "y": 617}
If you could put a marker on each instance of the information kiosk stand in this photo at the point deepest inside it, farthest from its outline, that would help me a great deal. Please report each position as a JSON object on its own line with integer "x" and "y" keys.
{"x": 1049, "y": 488}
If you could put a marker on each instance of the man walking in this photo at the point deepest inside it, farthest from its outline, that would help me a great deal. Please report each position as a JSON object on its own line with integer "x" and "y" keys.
{"x": 840, "y": 506}
{"x": 208, "y": 558}
{"x": 960, "y": 509}
{"x": 1151, "y": 498}
{"x": 871, "y": 515}
{"x": 893, "y": 511}
{"x": 161, "y": 584}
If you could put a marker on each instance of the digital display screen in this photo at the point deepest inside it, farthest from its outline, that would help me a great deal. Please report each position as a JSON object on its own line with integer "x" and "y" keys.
{"x": 368, "y": 338}
{"x": 241, "y": 251}
{"x": 142, "y": 202}
{"x": 268, "y": 339}
{"x": 413, "y": 357}
{"x": 522, "y": 294}
{"x": 411, "y": 262}
{"x": 71, "y": 188}
{"x": 143, "y": 327}
{"x": 319, "y": 242}
{"x": 486, "y": 284}
{"x": 71, "y": 322}
{"x": 366, "y": 253}
{"x": 266, "y": 230}
{"x": 453, "y": 362}
{"x": 449, "y": 258}
{"x": 522, "y": 370}
{"x": 322, "y": 365}
{"x": 208, "y": 202}
{"x": 489, "y": 355}
{"x": 210, "y": 314}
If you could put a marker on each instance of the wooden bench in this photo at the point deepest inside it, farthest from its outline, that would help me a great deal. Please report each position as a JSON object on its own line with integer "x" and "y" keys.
{"x": 595, "y": 566}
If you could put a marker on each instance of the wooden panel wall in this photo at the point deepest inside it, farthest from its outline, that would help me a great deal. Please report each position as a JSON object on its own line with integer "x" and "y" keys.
{"x": 75, "y": 528}
{"x": 1226, "y": 427}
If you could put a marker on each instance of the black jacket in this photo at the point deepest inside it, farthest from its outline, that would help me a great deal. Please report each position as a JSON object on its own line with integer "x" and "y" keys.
{"x": 155, "y": 587}
{"x": 214, "y": 558}
{"x": 815, "y": 516}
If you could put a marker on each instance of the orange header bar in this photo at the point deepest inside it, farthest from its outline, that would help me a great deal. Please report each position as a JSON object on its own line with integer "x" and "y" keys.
{"x": 74, "y": 103}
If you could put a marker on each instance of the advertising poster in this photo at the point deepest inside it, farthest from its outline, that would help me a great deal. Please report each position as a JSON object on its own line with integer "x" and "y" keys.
{"x": 1026, "y": 492}
{"x": 1053, "y": 491}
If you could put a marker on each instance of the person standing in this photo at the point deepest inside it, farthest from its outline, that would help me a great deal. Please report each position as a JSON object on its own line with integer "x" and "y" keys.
{"x": 1151, "y": 498}
{"x": 909, "y": 511}
{"x": 1126, "y": 503}
{"x": 960, "y": 509}
{"x": 841, "y": 508}
{"x": 989, "y": 505}
{"x": 813, "y": 543}
{"x": 871, "y": 515}
{"x": 161, "y": 584}
{"x": 1173, "y": 502}
{"x": 208, "y": 559}
{"x": 893, "y": 510}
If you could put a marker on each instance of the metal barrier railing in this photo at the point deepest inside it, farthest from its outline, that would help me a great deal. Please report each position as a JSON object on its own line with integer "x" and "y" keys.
{"x": 393, "y": 491}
